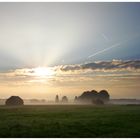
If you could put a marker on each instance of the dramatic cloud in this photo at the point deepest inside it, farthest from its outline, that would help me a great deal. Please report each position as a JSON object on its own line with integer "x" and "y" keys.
{"x": 114, "y": 65}
{"x": 102, "y": 68}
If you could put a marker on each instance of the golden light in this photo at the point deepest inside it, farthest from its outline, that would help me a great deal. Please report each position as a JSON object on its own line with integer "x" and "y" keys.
{"x": 43, "y": 71}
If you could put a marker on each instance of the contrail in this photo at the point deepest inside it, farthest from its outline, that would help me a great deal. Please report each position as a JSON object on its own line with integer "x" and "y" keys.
{"x": 105, "y": 37}
{"x": 113, "y": 46}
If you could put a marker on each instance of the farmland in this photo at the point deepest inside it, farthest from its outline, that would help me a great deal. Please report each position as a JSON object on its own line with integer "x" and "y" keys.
{"x": 70, "y": 121}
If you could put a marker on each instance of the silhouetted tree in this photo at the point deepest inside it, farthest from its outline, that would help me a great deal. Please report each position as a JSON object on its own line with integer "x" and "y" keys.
{"x": 98, "y": 102}
{"x": 93, "y": 95}
{"x": 64, "y": 99}
{"x": 88, "y": 96}
{"x": 103, "y": 95}
{"x": 57, "y": 99}
{"x": 14, "y": 100}
{"x": 75, "y": 99}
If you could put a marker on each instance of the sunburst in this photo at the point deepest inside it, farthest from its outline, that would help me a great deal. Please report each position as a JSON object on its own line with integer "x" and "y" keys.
{"x": 43, "y": 71}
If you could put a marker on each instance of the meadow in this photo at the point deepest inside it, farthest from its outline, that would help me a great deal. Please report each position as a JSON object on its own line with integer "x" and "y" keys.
{"x": 70, "y": 121}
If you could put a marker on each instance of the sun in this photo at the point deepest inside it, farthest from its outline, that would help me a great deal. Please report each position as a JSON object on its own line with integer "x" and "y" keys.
{"x": 43, "y": 71}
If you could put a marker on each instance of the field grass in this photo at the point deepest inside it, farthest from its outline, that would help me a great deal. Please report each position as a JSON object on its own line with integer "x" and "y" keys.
{"x": 70, "y": 121}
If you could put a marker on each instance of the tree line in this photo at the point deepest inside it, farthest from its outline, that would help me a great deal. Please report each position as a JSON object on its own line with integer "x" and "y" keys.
{"x": 92, "y": 96}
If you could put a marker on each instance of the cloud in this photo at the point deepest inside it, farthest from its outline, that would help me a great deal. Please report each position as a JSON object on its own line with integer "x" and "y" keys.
{"x": 78, "y": 72}
{"x": 114, "y": 65}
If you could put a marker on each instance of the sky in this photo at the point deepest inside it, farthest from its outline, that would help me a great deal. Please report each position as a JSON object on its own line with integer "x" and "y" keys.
{"x": 67, "y": 48}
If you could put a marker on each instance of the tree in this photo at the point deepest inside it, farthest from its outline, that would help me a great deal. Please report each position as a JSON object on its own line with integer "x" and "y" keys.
{"x": 103, "y": 95}
{"x": 64, "y": 99}
{"x": 57, "y": 99}
{"x": 98, "y": 102}
{"x": 93, "y": 95}
{"x": 88, "y": 96}
{"x": 75, "y": 99}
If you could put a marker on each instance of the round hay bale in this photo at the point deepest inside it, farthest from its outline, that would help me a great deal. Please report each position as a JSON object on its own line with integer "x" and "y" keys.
{"x": 14, "y": 101}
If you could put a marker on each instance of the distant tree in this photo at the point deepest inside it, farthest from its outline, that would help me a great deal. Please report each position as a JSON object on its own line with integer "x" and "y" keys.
{"x": 88, "y": 96}
{"x": 104, "y": 95}
{"x": 43, "y": 100}
{"x": 75, "y": 99}
{"x": 93, "y": 95}
{"x": 64, "y": 99}
{"x": 34, "y": 100}
{"x": 98, "y": 102}
{"x": 57, "y": 99}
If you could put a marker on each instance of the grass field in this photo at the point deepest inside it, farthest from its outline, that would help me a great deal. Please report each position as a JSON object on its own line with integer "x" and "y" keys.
{"x": 70, "y": 121}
